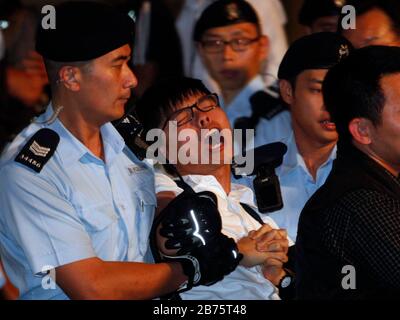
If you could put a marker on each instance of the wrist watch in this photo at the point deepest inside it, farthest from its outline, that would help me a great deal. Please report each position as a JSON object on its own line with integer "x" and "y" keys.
{"x": 286, "y": 286}
{"x": 286, "y": 281}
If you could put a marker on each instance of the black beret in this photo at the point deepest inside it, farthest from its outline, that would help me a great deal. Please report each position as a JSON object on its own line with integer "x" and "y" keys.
{"x": 84, "y": 31}
{"x": 316, "y": 51}
{"x": 314, "y": 9}
{"x": 223, "y": 13}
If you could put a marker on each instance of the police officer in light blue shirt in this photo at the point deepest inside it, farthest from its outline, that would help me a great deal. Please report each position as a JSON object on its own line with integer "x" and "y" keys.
{"x": 76, "y": 205}
{"x": 312, "y": 145}
{"x": 298, "y": 184}
{"x": 83, "y": 195}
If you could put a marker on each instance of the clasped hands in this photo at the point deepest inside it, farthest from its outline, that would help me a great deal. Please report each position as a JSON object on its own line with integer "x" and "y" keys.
{"x": 268, "y": 248}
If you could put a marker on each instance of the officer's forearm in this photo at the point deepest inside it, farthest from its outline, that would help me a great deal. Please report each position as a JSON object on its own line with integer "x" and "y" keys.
{"x": 97, "y": 279}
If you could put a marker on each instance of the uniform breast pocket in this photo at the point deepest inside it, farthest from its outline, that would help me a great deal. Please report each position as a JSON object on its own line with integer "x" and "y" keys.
{"x": 102, "y": 224}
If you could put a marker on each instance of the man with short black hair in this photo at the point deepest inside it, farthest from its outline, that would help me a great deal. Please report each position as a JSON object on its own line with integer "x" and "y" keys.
{"x": 348, "y": 243}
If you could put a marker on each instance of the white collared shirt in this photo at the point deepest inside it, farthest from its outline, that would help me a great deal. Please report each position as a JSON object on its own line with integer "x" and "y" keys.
{"x": 243, "y": 283}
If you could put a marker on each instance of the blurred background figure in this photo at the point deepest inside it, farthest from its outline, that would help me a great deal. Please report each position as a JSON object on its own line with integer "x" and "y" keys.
{"x": 156, "y": 31}
{"x": 184, "y": 14}
{"x": 230, "y": 42}
{"x": 2, "y": 45}
{"x": 272, "y": 18}
{"x": 320, "y": 15}
{"x": 378, "y": 23}
{"x": 23, "y": 77}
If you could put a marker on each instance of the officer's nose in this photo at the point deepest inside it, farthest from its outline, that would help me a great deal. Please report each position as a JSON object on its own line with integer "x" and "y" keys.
{"x": 130, "y": 80}
{"x": 228, "y": 52}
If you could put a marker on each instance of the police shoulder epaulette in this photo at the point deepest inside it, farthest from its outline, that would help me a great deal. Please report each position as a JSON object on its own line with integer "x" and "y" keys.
{"x": 39, "y": 149}
{"x": 265, "y": 105}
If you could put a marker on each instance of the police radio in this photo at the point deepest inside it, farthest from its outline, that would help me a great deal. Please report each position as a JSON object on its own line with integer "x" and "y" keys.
{"x": 266, "y": 183}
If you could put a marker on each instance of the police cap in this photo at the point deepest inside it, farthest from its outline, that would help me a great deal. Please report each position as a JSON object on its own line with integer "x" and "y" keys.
{"x": 316, "y": 51}
{"x": 83, "y": 31}
{"x": 223, "y": 13}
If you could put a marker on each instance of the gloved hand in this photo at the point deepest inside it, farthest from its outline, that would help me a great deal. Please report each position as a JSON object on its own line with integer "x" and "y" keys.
{"x": 208, "y": 264}
{"x": 190, "y": 220}
{"x": 188, "y": 230}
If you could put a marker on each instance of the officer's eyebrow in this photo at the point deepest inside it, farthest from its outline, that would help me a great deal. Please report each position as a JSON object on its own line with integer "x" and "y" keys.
{"x": 235, "y": 33}
{"x": 212, "y": 35}
{"x": 315, "y": 80}
{"x": 120, "y": 58}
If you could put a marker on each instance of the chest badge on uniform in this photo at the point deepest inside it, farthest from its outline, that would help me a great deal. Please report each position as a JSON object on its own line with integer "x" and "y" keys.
{"x": 39, "y": 149}
{"x": 134, "y": 170}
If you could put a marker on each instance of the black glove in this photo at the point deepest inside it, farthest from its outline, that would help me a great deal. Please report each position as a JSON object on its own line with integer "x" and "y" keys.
{"x": 209, "y": 263}
{"x": 191, "y": 229}
{"x": 190, "y": 221}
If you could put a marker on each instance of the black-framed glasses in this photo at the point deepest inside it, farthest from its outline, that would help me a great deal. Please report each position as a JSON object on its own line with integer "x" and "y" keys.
{"x": 204, "y": 104}
{"x": 218, "y": 45}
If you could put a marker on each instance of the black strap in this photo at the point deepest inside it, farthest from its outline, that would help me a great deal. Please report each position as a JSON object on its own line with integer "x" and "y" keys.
{"x": 180, "y": 184}
{"x": 252, "y": 213}
{"x": 263, "y": 105}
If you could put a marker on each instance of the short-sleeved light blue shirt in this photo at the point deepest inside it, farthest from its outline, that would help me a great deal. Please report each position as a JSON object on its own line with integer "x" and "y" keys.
{"x": 297, "y": 186}
{"x": 77, "y": 207}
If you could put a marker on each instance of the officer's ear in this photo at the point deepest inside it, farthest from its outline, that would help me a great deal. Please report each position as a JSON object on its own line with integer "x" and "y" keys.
{"x": 265, "y": 47}
{"x": 361, "y": 130}
{"x": 69, "y": 77}
{"x": 286, "y": 90}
